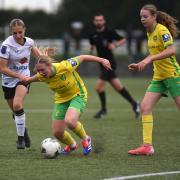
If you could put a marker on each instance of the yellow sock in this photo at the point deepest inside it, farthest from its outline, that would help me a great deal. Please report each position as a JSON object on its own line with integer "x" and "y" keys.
{"x": 147, "y": 122}
{"x": 79, "y": 131}
{"x": 67, "y": 139}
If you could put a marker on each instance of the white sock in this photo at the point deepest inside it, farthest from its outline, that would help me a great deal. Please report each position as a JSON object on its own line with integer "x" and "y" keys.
{"x": 73, "y": 145}
{"x": 20, "y": 124}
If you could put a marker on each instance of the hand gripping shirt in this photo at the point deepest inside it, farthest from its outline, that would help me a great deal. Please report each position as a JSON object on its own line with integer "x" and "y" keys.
{"x": 18, "y": 57}
{"x": 158, "y": 40}
{"x": 66, "y": 82}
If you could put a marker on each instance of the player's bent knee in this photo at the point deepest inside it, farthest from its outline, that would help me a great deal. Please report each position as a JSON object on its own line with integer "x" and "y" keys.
{"x": 71, "y": 124}
{"x": 58, "y": 133}
{"x": 178, "y": 106}
{"x": 144, "y": 109}
{"x": 98, "y": 89}
{"x": 17, "y": 106}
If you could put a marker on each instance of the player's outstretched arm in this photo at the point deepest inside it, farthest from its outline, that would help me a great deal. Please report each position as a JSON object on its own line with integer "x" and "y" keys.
{"x": 91, "y": 58}
{"x": 5, "y": 70}
{"x": 31, "y": 79}
{"x": 169, "y": 51}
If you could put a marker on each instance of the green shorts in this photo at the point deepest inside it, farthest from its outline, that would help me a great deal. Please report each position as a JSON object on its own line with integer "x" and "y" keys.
{"x": 60, "y": 109}
{"x": 167, "y": 86}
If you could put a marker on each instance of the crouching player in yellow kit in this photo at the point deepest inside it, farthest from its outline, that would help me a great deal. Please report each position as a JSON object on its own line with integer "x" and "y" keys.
{"x": 70, "y": 97}
{"x": 161, "y": 29}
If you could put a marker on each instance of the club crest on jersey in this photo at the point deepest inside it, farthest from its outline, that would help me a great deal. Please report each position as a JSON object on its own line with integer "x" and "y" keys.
{"x": 23, "y": 60}
{"x": 166, "y": 37}
{"x": 63, "y": 77}
{"x": 3, "y": 49}
{"x": 154, "y": 38}
{"x": 73, "y": 62}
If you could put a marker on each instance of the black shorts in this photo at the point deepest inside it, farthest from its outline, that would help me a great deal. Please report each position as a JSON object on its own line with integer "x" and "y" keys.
{"x": 9, "y": 93}
{"x": 107, "y": 75}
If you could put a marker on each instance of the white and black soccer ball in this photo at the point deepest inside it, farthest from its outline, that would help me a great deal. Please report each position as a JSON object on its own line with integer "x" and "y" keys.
{"x": 50, "y": 148}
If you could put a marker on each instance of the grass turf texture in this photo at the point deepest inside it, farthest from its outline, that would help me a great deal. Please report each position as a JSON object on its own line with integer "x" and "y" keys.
{"x": 112, "y": 137}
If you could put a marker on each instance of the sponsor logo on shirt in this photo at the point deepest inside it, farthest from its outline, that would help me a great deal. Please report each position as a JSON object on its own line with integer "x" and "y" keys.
{"x": 73, "y": 62}
{"x": 166, "y": 37}
{"x": 153, "y": 47}
{"x": 20, "y": 67}
{"x": 3, "y": 49}
{"x": 23, "y": 60}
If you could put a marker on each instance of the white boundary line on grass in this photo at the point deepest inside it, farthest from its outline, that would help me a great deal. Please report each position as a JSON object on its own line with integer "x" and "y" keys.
{"x": 143, "y": 175}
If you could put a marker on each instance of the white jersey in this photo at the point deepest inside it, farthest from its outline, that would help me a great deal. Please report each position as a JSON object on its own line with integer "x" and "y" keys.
{"x": 18, "y": 57}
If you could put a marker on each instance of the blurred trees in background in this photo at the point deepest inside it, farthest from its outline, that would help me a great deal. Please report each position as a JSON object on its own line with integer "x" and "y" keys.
{"x": 120, "y": 14}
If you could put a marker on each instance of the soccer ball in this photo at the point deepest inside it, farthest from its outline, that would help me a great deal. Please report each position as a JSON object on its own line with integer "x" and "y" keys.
{"x": 50, "y": 148}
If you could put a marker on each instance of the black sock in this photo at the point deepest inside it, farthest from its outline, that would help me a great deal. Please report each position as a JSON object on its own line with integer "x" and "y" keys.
{"x": 20, "y": 139}
{"x": 13, "y": 116}
{"x": 102, "y": 97}
{"x": 124, "y": 92}
{"x": 19, "y": 112}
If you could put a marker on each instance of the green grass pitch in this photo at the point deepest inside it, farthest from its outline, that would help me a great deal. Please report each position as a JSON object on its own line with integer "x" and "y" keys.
{"x": 112, "y": 137}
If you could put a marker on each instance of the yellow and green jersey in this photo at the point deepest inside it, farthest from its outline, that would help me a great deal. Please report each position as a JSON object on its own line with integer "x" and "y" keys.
{"x": 65, "y": 82}
{"x": 158, "y": 40}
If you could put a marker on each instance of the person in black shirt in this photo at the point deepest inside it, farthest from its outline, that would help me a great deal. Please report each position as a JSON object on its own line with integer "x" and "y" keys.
{"x": 105, "y": 40}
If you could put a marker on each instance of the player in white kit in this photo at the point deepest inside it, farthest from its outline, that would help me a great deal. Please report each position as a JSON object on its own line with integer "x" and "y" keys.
{"x": 14, "y": 65}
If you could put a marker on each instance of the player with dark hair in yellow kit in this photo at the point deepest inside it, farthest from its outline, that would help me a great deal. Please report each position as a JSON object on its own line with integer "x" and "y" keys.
{"x": 161, "y": 30}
